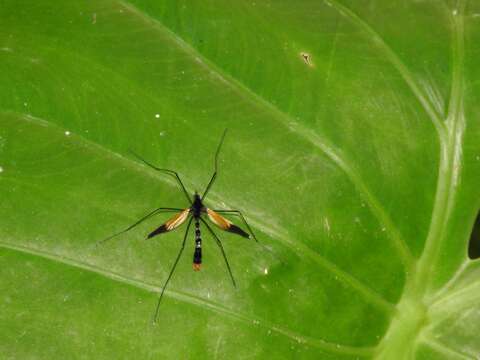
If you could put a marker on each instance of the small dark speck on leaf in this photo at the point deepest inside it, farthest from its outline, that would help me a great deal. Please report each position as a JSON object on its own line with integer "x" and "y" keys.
{"x": 306, "y": 58}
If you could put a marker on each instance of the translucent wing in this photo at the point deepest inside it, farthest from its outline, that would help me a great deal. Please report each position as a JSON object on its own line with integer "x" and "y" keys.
{"x": 225, "y": 224}
{"x": 171, "y": 224}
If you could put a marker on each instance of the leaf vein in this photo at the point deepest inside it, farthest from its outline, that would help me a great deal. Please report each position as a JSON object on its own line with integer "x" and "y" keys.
{"x": 280, "y": 234}
{"x": 191, "y": 299}
{"x": 445, "y": 350}
{"x": 396, "y": 62}
{"x": 318, "y": 141}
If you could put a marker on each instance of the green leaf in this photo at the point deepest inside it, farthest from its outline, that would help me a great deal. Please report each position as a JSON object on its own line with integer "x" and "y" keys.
{"x": 352, "y": 150}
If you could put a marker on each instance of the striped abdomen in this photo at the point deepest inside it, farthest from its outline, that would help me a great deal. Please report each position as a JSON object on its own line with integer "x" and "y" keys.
{"x": 197, "y": 255}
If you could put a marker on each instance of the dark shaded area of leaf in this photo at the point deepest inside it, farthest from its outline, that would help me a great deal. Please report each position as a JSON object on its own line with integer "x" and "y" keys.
{"x": 474, "y": 244}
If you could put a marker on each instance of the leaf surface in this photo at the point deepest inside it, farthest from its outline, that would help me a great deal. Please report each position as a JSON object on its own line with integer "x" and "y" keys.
{"x": 352, "y": 150}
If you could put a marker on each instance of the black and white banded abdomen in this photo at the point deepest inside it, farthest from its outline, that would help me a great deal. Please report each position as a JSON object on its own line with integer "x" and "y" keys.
{"x": 197, "y": 255}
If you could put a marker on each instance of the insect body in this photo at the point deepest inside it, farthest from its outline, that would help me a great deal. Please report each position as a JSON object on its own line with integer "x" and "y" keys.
{"x": 197, "y": 212}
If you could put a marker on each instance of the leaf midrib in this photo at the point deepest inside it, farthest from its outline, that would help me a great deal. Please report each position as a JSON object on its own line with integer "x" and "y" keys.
{"x": 418, "y": 290}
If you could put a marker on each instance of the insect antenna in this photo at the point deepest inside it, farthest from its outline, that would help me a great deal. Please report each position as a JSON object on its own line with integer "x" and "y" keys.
{"x": 172, "y": 270}
{"x": 216, "y": 165}
{"x": 219, "y": 243}
{"x": 138, "y": 222}
{"x": 166, "y": 171}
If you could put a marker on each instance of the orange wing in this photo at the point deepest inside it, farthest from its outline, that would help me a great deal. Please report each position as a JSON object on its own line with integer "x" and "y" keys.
{"x": 171, "y": 224}
{"x": 225, "y": 224}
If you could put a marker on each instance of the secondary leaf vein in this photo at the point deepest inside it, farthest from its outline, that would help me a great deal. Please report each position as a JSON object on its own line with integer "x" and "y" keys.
{"x": 194, "y": 300}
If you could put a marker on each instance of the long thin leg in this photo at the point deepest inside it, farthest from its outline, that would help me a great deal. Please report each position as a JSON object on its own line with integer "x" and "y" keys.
{"x": 138, "y": 222}
{"x": 219, "y": 243}
{"x": 238, "y": 213}
{"x": 214, "y": 176}
{"x": 172, "y": 270}
{"x": 167, "y": 171}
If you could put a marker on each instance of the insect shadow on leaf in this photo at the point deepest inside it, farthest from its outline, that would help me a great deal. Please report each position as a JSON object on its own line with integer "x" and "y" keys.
{"x": 196, "y": 212}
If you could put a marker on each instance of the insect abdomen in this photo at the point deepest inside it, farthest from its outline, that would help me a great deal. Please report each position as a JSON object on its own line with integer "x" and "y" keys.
{"x": 197, "y": 255}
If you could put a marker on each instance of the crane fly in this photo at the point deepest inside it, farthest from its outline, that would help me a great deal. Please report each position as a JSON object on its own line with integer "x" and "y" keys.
{"x": 196, "y": 212}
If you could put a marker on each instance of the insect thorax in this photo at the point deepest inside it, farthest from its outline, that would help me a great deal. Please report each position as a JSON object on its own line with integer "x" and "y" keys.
{"x": 197, "y": 206}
